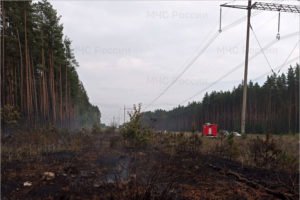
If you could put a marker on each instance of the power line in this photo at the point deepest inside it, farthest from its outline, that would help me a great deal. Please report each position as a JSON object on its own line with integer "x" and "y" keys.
{"x": 198, "y": 55}
{"x": 289, "y": 55}
{"x": 241, "y": 64}
{"x": 195, "y": 58}
{"x": 263, "y": 52}
{"x": 260, "y": 6}
{"x": 184, "y": 70}
{"x": 286, "y": 61}
{"x": 280, "y": 67}
{"x": 255, "y": 79}
{"x": 237, "y": 67}
{"x": 225, "y": 75}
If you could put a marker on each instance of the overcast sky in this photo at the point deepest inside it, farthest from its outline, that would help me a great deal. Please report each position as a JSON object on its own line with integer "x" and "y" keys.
{"x": 130, "y": 51}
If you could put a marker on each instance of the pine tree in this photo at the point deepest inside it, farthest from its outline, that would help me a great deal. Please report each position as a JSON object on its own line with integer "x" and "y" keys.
{"x": 38, "y": 68}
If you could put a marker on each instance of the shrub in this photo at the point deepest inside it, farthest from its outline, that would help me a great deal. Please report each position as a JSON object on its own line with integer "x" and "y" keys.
{"x": 133, "y": 130}
{"x": 233, "y": 150}
{"x": 264, "y": 152}
{"x": 190, "y": 144}
{"x": 228, "y": 148}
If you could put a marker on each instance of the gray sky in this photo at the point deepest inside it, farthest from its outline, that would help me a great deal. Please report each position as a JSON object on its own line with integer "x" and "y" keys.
{"x": 129, "y": 51}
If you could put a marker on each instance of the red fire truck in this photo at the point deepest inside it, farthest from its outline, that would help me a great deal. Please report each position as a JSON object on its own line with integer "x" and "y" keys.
{"x": 209, "y": 129}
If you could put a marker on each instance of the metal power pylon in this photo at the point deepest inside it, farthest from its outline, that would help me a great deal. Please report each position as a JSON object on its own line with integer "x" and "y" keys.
{"x": 256, "y": 6}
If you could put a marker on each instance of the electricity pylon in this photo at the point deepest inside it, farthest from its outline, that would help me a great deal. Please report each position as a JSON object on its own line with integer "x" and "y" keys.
{"x": 257, "y": 6}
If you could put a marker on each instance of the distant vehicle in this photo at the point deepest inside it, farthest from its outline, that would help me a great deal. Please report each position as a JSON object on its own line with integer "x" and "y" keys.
{"x": 224, "y": 133}
{"x": 236, "y": 134}
{"x": 209, "y": 129}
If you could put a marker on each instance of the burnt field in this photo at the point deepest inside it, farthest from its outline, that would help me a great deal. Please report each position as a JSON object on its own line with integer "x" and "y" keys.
{"x": 103, "y": 165}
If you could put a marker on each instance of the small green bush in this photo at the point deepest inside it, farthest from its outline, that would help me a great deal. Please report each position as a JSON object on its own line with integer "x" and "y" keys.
{"x": 133, "y": 130}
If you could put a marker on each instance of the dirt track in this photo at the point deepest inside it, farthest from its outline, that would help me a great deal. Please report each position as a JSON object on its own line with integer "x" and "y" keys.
{"x": 112, "y": 170}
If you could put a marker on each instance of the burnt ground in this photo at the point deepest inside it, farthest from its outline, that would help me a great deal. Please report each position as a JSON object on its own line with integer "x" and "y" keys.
{"x": 107, "y": 168}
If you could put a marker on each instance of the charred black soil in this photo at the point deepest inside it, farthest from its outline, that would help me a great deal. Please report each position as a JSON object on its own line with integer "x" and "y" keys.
{"x": 106, "y": 167}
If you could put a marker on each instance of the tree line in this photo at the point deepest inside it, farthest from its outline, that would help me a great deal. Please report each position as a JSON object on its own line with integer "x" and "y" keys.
{"x": 39, "y": 82}
{"x": 271, "y": 107}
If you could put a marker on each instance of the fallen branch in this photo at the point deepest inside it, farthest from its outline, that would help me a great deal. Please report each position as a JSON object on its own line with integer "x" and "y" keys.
{"x": 278, "y": 194}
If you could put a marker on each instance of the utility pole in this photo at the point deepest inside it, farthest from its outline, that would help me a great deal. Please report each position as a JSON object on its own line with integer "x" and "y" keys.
{"x": 244, "y": 105}
{"x": 258, "y": 6}
{"x": 114, "y": 122}
{"x": 124, "y": 114}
